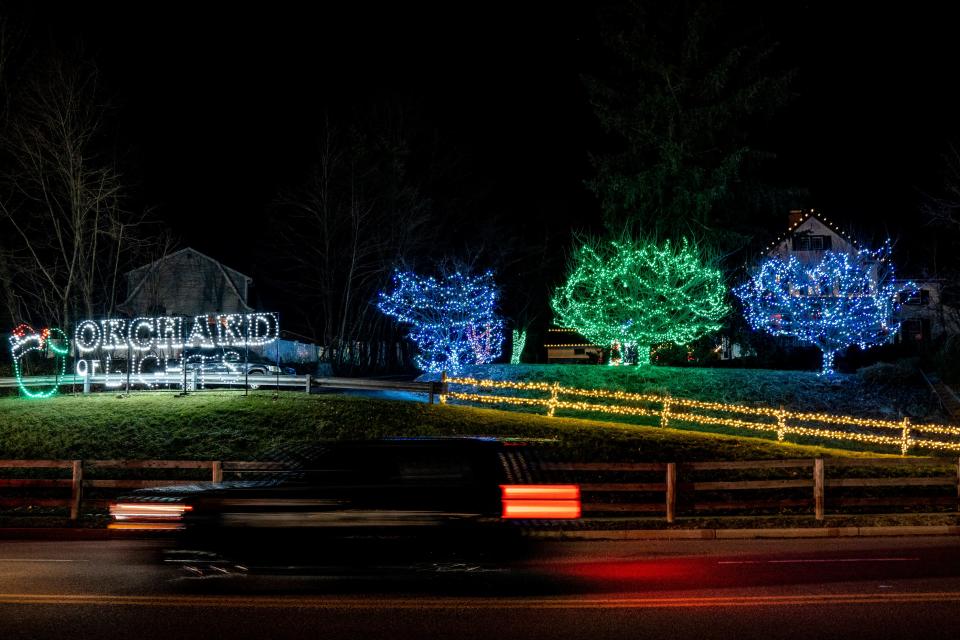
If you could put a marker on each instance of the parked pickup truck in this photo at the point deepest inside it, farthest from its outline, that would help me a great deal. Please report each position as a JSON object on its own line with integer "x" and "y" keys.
{"x": 370, "y": 505}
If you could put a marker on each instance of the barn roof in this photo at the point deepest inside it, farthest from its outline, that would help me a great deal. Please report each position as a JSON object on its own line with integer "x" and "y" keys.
{"x": 147, "y": 269}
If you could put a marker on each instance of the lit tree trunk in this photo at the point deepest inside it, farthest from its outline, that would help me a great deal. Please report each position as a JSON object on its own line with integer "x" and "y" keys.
{"x": 827, "y": 368}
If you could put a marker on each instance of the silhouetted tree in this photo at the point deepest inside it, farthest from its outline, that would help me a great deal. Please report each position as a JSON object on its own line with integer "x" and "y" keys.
{"x": 686, "y": 88}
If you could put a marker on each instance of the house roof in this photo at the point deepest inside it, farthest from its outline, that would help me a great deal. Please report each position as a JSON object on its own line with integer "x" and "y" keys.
{"x": 193, "y": 251}
{"x": 147, "y": 269}
{"x": 819, "y": 217}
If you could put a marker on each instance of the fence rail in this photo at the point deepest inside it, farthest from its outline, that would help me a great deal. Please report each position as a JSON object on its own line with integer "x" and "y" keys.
{"x": 676, "y": 490}
{"x": 664, "y": 410}
{"x": 306, "y": 382}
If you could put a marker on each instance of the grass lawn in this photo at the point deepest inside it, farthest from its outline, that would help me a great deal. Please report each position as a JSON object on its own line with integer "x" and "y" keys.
{"x": 229, "y": 426}
{"x": 856, "y": 395}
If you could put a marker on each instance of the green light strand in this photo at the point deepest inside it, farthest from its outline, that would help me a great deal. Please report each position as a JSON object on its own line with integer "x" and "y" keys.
{"x": 23, "y": 342}
{"x": 519, "y": 341}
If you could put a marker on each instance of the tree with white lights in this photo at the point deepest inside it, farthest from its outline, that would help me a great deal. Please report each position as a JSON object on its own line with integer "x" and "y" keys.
{"x": 452, "y": 318}
{"x": 635, "y": 293}
{"x": 841, "y": 300}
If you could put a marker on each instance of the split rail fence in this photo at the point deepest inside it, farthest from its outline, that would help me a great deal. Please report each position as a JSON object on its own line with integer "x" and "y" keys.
{"x": 610, "y": 489}
{"x": 667, "y": 410}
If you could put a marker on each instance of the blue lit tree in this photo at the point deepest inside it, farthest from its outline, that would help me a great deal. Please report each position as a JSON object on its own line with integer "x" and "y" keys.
{"x": 841, "y": 300}
{"x": 452, "y": 319}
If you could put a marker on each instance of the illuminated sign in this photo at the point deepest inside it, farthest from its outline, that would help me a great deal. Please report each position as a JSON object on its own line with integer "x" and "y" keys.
{"x": 169, "y": 332}
{"x": 152, "y": 350}
{"x": 25, "y": 340}
{"x": 205, "y": 345}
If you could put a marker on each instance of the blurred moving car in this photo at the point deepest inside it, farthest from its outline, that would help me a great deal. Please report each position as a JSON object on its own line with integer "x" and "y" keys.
{"x": 363, "y": 506}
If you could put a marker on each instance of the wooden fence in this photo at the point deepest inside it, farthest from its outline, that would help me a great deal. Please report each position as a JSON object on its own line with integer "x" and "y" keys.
{"x": 666, "y": 410}
{"x": 807, "y": 485}
{"x": 674, "y": 487}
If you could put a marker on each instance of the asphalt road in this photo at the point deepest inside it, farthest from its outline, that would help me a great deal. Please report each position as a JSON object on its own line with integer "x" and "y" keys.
{"x": 855, "y": 588}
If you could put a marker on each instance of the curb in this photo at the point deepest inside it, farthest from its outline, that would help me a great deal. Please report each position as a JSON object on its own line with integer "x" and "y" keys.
{"x": 57, "y": 533}
{"x": 746, "y": 534}
{"x": 52, "y": 533}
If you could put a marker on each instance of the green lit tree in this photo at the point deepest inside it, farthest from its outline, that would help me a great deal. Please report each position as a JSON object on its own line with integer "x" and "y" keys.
{"x": 636, "y": 293}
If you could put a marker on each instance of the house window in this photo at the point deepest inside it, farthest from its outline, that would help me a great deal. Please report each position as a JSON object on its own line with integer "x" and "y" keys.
{"x": 919, "y": 298}
{"x": 578, "y": 352}
{"x": 911, "y": 330}
{"x": 812, "y": 243}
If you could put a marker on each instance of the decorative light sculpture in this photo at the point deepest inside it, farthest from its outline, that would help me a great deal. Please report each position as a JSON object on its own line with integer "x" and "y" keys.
{"x": 452, "y": 319}
{"x": 629, "y": 293}
{"x": 24, "y": 340}
{"x": 841, "y": 300}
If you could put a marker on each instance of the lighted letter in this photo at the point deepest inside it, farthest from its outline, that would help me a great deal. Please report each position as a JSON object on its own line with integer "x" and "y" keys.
{"x": 87, "y": 336}
{"x": 142, "y": 334}
{"x": 200, "y": 334}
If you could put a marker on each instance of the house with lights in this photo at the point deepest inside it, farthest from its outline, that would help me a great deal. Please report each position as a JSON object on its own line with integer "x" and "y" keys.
{"x": 809, "y": 234}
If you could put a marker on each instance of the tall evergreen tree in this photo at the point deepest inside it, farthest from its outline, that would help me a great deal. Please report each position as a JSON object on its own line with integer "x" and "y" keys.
{"x": 686, "y": 90}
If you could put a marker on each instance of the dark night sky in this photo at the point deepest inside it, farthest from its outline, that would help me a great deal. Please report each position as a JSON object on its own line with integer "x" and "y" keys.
{"x": 220, "y": 105}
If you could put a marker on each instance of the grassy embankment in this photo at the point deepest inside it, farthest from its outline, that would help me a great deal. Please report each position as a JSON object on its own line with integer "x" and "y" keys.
{"x": 229, "y": 426}
{"x": 889, "y": 396}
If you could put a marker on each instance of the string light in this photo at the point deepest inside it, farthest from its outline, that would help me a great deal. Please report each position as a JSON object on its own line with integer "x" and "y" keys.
{"x": 145, "y": 333}
{"x": 25, "y": 340}
{"x": 662, "y": 406}
{"x": 633, "y": 293}
{"x": 519, "y": 340}
{"x": 842, "y": 300}
{"x": 452, "y": 320}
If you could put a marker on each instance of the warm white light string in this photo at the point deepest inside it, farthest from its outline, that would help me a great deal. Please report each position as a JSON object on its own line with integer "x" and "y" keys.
{"x": 778, "y": 417}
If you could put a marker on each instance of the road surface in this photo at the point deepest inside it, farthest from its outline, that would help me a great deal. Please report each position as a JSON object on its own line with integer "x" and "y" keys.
{"x": 837, "y": 588}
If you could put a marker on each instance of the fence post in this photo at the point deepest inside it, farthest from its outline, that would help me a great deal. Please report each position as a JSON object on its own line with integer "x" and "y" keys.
{"x": 665, "y": 414}
{"x": 306, "y": 383}
{"x": 216, "y": 471}
{"x": 671, "y": 491}
{"x": 818, "y": 485}
{"x": 552, "y": 403}
{"x": 76, "y": 489}
{"x": 781, "y": 424}
{"x": 905, "y": 438}
{"x": 443, "y": 382}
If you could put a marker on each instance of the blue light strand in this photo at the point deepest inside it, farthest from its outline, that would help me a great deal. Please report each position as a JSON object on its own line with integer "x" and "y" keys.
{"x": 841, "y": 300}
{"x": 452, "y": 320}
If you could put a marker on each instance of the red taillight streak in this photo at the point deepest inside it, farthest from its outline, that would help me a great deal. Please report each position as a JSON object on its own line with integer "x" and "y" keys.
{"x": 541, "y": 491}
{"x": 555, "y": 509}
{"x": 553, "y": 501}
